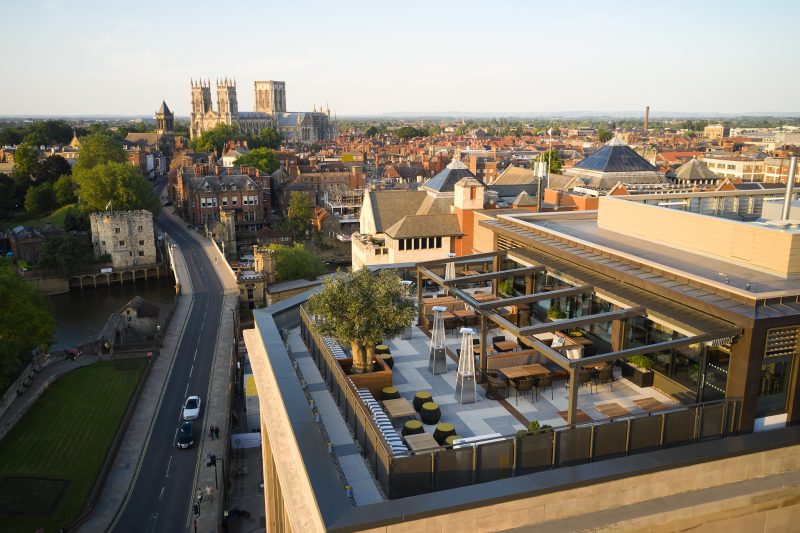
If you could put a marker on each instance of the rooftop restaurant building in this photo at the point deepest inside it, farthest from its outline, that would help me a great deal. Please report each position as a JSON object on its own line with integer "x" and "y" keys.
{"x": 655, "y": 345}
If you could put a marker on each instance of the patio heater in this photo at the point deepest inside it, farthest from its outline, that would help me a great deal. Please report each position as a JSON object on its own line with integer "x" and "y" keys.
{"x": 450, "y": 270}
{"x": 407, "y": 332}
{"x": 437, "y": 359}
{"x": 465, "y": 380}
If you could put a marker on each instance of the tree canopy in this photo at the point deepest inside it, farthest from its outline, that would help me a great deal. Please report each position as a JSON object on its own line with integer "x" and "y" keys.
{"x": 604, "y": 135}
{"x": 266, "y": 138}
{"x": 97, "y": 149}
{"x": 556, "y": 161}
{"x": 263, "y": 159}
{"x": 40, "y": 200}
{"x": 26, "y": 322}
{"x": 120, "y": 184}
{"x": 295, "y": 262}
{"x": 299, "y": 214}
{"x": 214, "y": 140}
{"x": 51, "y": 168}
{"x": 362, "y": 308}
{"x": 66, "y": 254}
{"x": 66, "y": 190}
{"x": 26, "y": 160}
{"x": 408, "y": 132}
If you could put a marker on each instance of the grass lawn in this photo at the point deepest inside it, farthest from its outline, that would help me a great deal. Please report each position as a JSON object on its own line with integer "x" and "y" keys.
{"x": 50, "y": 460}
{"x": 56, "y": 218}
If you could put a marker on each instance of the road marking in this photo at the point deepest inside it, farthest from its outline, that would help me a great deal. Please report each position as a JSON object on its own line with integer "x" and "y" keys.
{"x": 169, "y": 465}
{"x": 161, "y": 495}
{"x": 195, "y": 355}
{"x": 191, "y": 370}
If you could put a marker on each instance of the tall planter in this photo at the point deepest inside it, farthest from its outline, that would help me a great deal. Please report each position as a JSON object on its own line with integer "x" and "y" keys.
{"x": 375, "y": 381}
{"x": 641, "y": 377}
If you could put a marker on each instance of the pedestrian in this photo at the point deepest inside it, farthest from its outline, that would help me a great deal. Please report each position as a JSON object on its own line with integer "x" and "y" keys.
{"x": 211, "y": 431}
{"x": 199, "y": 496}
{"x": 216, "y": 432}
{"x": 209, "y": 492}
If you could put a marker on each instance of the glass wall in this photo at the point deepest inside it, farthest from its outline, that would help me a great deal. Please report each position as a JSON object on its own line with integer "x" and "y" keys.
{"x": 780, "y": 355}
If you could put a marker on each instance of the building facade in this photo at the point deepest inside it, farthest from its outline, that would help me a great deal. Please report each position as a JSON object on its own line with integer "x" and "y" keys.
{"x": 127, "y": 236}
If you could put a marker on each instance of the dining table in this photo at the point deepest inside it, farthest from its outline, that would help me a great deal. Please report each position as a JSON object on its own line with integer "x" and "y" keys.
{"x": 399, "y": 408}
{"x": 524, "y": 371}
{"x": 505, "y": 346}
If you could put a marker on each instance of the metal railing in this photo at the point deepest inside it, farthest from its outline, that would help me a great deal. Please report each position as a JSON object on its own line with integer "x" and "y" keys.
{"x": 524, "y": 453}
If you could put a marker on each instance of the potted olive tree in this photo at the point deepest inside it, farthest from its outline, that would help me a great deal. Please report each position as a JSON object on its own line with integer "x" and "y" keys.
{"x": 361, "y": 309}
{"x": 638, "y": 369}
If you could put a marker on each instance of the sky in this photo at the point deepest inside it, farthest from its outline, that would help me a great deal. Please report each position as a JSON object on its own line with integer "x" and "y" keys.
{"x": 104, "y": 57}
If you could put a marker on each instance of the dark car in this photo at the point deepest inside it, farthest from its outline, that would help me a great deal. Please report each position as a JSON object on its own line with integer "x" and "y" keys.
{"x": 185, "y": 435}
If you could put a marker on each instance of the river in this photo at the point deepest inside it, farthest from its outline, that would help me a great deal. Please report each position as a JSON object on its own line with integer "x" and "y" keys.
{"x": 80, "y": 315}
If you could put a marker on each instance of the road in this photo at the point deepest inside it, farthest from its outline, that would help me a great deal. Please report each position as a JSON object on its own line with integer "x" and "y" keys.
{"x": 161, "y": 498}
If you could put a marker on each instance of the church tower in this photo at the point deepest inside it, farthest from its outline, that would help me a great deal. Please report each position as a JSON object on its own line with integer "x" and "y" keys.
{"x": 201, "y": 104}
{"x": 270, "y": 97}
{"x": 164, "y": 119}
{"x": 227, "y": 104}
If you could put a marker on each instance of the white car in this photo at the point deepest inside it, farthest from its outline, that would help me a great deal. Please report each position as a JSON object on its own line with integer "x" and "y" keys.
{"x": 191, "y": 409}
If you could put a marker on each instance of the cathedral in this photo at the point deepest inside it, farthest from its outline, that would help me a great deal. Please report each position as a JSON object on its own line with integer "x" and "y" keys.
{"x": 270, "y": 112}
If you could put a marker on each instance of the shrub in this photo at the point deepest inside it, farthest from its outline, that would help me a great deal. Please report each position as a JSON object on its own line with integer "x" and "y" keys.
{"x": 642, "y": 361}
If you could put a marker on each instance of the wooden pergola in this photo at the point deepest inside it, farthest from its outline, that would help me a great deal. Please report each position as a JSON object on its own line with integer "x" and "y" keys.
{"x": 488, "y": 313}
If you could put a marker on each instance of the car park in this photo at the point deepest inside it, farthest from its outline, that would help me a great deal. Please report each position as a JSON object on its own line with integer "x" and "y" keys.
{"x": 191, "y": 408}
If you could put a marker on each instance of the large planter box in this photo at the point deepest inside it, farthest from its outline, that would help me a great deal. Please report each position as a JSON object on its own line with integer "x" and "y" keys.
{"x": 375, "y": 381}
{"x": 638, "y": 376}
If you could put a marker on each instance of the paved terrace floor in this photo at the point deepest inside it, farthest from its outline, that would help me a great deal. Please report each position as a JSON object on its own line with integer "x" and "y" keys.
{"x": 485, "y": 416}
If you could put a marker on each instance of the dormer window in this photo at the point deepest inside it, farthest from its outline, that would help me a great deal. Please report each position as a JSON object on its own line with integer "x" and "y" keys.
{"x": 224, "y": 187}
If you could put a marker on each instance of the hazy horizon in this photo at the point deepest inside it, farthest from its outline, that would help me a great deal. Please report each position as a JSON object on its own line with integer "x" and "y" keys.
{"x": 364, "y": 60}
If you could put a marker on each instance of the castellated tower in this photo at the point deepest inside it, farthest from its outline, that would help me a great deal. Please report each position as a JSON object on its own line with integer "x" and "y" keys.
{"x": 270, "y": 97}
{"x": 201, "y": 97}
{"x": 227, "y": 105}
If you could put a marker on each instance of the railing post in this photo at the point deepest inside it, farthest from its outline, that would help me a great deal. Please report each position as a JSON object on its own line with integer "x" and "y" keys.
{"x": 628, "y": 437}
{"x": 663, "y": 425}
{"x": 591, "y": 441}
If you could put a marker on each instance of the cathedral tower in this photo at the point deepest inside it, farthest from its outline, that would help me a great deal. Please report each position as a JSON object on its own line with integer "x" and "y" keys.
{"x": 227, "y": 104}
{"x": 270, "y": 97}
{"x": 201, "y": 97}
{"x": 164, "y": 119}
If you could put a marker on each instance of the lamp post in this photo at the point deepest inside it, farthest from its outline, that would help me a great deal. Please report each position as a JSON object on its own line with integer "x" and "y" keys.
{"x": 212, "y": 461}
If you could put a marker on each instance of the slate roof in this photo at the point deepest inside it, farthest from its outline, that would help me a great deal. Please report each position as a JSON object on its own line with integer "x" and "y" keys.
{"x": 445, "y": 180}
{"x": 524, "y": 199}
{"x": 425, "y": 226}
{"x": 515, "y": 176}
{"x": 215, "y": 183}
{"x": 695, "y": 170}
{"x": 615, "y": 156}
{"x": 164, "y": 108}
{"x": 390, "y": 206}
{"x": 143, "y": 307}
{"x": 146, "y": 138}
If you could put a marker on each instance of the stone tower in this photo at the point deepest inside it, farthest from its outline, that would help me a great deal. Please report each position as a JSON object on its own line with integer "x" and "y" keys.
{"x": 227, "y": 218}
{"x": 164, "y": 119}
{"x": 227, "y": 104}
{"x": 265, "y": 262}
{"x": 201, "y": 97}
{"x": 270, "y": 97}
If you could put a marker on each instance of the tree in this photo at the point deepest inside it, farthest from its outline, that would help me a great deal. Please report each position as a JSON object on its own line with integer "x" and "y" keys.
{"x": 263, "y": 159}
{"x": 26, "y": 159}
{"x": 66, "y": 190}
{"x": 52, "y": 168}
{"x": 40, "y": 200}
{"x": 214, "y": 140}
{"x": 299, "y": 214}
{"x": 120, "y": 184}
{"x": 604, "y": 135}
{"x": 362, "y": 308}
{"x": 556, "y": 162}
{"x": 266, "y": 138}
{"x": 26, "y": 323}
{"x": 408, "y": 132}
{"x": 66, "y": 253}
{"x": 97, "y": 149}
{"x": 76, "y": 220}
{"x": 295, "y": 262}
{"x": 372, "y": 130}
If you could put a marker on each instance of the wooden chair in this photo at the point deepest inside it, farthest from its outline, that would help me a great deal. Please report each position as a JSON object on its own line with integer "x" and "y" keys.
{"x": 542, "y": 382}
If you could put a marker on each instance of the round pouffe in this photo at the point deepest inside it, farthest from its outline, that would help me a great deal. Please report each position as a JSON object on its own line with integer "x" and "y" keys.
{"x": 381, "y": 349}
{"x": 449, "y": 440}
{"x": 389, "y": 393}
{"x": 430, "y": 413}
{"x": 413, "y": 427}
{"x": 387, "y": 358}
{"x": 421, "y": 398}
{"x": 443, "y": 431}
